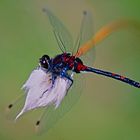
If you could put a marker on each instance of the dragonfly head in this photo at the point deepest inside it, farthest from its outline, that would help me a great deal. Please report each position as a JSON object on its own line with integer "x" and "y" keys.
{"x": 44, "y": 61}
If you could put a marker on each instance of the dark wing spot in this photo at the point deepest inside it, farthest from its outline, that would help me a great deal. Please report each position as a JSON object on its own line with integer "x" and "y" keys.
{"x": 85, "y": 12}
{"x": 37, "y": 123}
{"x": 10, "y": 106}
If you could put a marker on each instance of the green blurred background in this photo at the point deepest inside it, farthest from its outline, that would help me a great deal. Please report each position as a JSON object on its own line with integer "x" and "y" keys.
{"x": 107, "y": 109}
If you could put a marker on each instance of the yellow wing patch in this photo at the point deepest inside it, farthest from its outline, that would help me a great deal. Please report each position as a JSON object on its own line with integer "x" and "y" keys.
{"x": 106, "y": 31}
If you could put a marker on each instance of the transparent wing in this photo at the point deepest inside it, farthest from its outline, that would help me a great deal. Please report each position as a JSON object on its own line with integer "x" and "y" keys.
{"x": 61, "y": 33}
{"x": 86, "y": 32}
{"x": 15, "y": 107}
{"x": 35, "y": 87}
{"x": 52, "y": 115}
{"x": 105, "y": 31}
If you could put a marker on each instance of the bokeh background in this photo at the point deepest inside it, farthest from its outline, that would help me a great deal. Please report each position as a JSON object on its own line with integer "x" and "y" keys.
{"x": 107, "y": 109}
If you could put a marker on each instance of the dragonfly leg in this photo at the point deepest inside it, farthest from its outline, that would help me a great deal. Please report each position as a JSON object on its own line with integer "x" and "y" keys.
{"x": 68, "y": 77}
{"x": 64, "y": 74}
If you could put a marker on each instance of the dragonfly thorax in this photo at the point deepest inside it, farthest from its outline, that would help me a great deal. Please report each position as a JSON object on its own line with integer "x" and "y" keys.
{"x": 62, "y": 63}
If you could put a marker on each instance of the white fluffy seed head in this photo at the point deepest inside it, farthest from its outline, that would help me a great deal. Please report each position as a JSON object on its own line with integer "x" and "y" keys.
{"x": 42, "y": 92}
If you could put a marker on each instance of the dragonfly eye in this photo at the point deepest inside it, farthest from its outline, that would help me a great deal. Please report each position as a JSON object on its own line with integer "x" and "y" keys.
{"x": 44, "y": 61}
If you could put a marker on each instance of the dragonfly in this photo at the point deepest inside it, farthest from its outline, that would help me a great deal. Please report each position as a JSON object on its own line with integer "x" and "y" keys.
{"x": 50, "y": 84}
